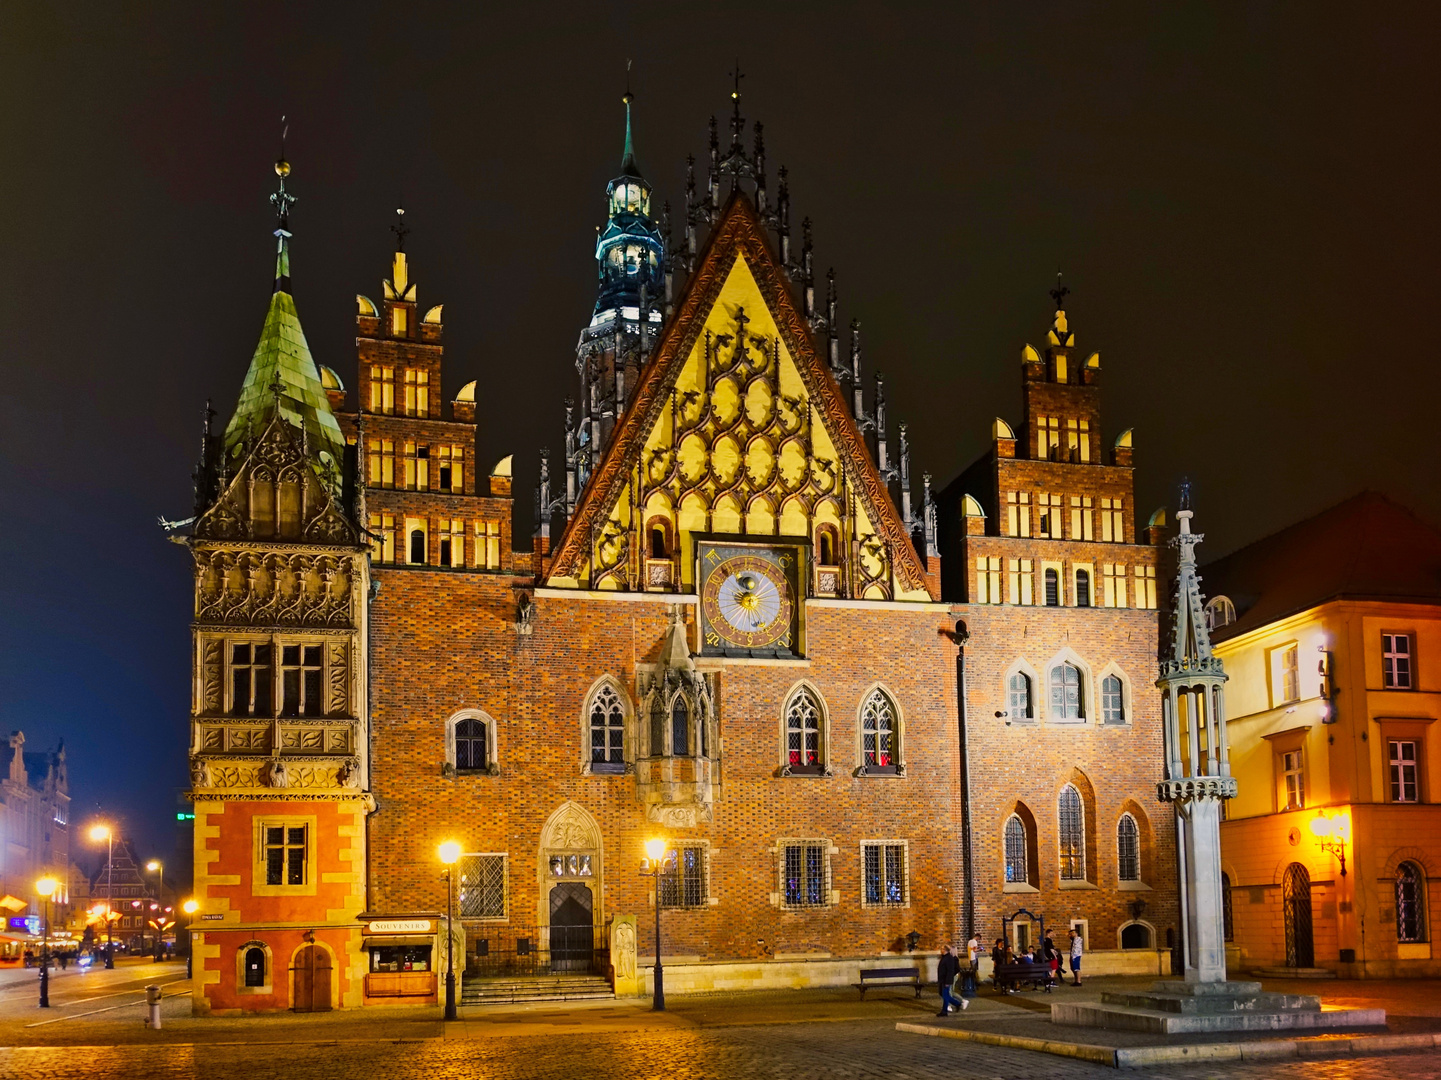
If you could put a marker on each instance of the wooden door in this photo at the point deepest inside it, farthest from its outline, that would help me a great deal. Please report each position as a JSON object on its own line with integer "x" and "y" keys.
{"x": 311, "y": 977}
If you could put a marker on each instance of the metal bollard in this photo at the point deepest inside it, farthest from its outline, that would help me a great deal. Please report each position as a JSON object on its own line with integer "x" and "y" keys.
{"x": 152, "y": 1002}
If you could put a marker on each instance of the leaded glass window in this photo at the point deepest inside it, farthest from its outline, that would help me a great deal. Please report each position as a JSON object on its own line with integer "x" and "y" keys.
{"x": 482, "y": 886}
{"x": 686, "y": 887}
{"x": 1072, "y": 835}
{"x": 470, "y": 745}
{"x": 1016, "y": 870}
{"x": 607, "y": 731}
{"x": 803, "y": 732}
{"x": 878, "y": 733}
{"x": 1128, "y": 849}
{"x": 1020, "y": 697}
{"x": 1066, "y": 693}
{"x": 1113, "y": 704}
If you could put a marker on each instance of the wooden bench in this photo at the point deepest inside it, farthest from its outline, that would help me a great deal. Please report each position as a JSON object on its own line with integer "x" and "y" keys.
{"x": 876, "y": 975}
{"x": 1014, "y": 975}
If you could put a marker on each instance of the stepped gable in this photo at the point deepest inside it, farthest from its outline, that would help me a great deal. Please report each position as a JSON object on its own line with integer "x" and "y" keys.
{"x": 740, "y": 234}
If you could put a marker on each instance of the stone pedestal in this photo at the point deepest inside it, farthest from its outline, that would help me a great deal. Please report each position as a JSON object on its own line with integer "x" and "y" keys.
{"x": 1173, "y": 1007}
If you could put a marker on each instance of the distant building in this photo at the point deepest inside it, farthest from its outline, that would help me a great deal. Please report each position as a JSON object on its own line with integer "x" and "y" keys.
{"x": 131, "y": 892}
{"x": 1331, "y": 631}
{"x": 34, "y": 830}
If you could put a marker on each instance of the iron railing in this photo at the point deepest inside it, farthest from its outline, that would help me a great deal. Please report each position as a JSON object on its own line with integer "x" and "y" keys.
{"x": 496, "y": 950}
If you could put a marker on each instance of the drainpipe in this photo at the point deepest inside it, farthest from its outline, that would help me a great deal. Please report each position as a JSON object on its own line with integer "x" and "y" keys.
{"x": 968, "y": 886}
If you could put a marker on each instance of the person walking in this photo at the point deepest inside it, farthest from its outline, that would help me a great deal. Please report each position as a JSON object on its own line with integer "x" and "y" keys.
{"x": 1076, "y": 950}
{"x": 947, "y": 968}
{"x": 1052, "y": 958}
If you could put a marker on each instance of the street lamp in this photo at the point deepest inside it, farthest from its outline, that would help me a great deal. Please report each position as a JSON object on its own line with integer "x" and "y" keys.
{"x": 156, "y": 867}
{"x": 659, "y": 863}
{"x": 190, "y": 907}
{"x": 1331, "y": 835}
{"x": 449, "y": 853}
{"x": 97, "y": 834}
{"x": 46, "y": 887}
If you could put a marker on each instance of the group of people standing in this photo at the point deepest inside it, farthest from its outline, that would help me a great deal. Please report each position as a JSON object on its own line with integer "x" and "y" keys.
{"x": 950, "y": 973}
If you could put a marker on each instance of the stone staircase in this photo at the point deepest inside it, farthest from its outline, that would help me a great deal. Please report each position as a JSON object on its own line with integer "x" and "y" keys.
{"x": 528, "y": 988}
{"x": 1172, "y": 1007}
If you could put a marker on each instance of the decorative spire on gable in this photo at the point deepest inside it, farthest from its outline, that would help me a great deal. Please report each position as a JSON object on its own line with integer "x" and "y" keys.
{"x": 1190, "y": 639}
{"x": 282, "y": 378}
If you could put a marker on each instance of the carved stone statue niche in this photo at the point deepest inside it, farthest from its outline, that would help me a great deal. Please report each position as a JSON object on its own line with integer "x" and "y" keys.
{"x": 677, "y": 771}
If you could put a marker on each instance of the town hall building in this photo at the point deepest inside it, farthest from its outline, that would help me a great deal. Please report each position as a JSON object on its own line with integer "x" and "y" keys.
{"x": 865, "y": 721}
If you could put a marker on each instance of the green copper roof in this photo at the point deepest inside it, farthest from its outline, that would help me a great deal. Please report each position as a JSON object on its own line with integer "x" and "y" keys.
{"x": 282, "y": 357}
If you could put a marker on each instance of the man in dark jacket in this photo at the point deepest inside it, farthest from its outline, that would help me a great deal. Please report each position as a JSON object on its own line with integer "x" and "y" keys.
{"x": 947, "y": 968}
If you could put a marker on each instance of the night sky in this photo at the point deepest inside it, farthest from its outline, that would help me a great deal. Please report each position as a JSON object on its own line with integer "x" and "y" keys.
{"x": 1243, "y": 200}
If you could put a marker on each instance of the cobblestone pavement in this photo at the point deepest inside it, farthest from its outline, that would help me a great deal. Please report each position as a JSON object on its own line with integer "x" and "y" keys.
{"x": 859, "y": 1050}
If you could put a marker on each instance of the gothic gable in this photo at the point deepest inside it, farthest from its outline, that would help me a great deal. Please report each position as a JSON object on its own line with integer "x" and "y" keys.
{"x": 279, "y": 492}
{"x": 737, "y": 427}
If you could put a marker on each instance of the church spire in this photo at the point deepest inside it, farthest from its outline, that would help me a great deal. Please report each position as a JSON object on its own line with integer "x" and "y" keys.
{"x": 282, "y": 378}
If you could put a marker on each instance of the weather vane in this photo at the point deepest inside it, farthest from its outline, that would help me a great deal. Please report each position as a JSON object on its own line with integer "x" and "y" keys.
{"x": 282, "y": 200}
{"x": 1060, "y": 292}
{"x": 400, "y": 228}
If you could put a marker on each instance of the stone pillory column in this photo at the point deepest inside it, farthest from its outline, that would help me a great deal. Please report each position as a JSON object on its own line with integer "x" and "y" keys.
{"x": 1198, "y": 769}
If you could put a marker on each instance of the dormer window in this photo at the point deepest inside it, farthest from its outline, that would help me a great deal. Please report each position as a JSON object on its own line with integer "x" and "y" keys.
{"x": 1219, "y": 612}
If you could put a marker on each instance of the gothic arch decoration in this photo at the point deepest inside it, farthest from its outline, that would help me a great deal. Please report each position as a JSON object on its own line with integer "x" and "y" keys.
{"x": 1145, "y": 844}
{"x": 1009, "y": 698}
{"x": 804, "y": 710}
{"x": 453, "y": 765}
{"x": 1068, "y": 655}
{"x": 597, "y": 544}
{"x": 1136, "y": 934}
{"x": 1020, "y": 870}
{"x": 879, "y": 711}
{"x": 572, "y": 835}
{"x": 603, "y": 704}
{"x": 1088, "y": 851}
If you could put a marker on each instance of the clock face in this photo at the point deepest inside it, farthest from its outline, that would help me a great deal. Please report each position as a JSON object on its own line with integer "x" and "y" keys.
{"x": 748, "y": 600}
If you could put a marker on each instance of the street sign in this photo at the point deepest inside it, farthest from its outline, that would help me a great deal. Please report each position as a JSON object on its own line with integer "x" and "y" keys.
{"x": 216, "y": 916}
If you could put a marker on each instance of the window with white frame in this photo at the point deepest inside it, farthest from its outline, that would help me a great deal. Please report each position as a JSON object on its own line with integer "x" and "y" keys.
{"x": 805, "y": 867}
{"x": 1071, "y": 817}
{"x": 1113, "y": 700}
{"x": 1081, "y": 518}
{"x": 1293, "y": 780}
{"x": 451, "y": 533}
{"x": 286, "y": 853}
{"x": 1396, "y": 661}
{"x": 482, "y": 883}
{"x": 1404, "y": 780}
{"x": 607, "y": 731}
{"x": 1067, "y": 700}
{"x": 1113, "y": 585}
{"x": 1146, "y": 588}
{"x": 1128, "y": 849}
{"x": 302, "y": 682}
{"x": 884, "y": 866}
{"x": 1083, "y": 588}
{"x": 1050, "y": 519}
{"x": 1219, "y": 612}
{"x": 1020, "y": 697}
{"x": 1053, "y": 587}
{"x": 1078, "y": 440}
{"x": 687, "y": 886}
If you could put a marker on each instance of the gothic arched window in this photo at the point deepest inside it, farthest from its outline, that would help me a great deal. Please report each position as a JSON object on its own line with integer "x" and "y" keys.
{"x": 1083, "y": 588}
{"x": 1128, "y": 849}
{"x": 1016, "y": 844}
{"x": 1053, "y": 588}
{"x": 679, "y": 727}
{"x": 880, "y": 749}
{"x": 804, "y": 750}
{"x": 607, "y": 731}
{"x": 1066, "y": 700}
{"x": 471, "y": 750}
{"x": 1113, "y": 706}
{"x": 1021, "y": 701}
{"x": 1410, "y": 916}
{"x": 1072, "y": 821}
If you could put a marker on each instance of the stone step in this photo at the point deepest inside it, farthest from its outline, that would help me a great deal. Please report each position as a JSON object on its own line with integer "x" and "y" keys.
{"x": 1160, "y": 1022}
{"x": 535, "y": 988}
{"x": 1212, "y": 1004}
{"x": 1295, "y": 973}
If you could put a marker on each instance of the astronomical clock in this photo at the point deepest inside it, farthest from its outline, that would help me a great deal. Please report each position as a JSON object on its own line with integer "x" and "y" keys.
{"x": 751, "y": 597}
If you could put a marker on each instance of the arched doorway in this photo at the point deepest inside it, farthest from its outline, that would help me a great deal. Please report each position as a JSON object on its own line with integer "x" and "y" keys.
{"x": 311, "y": 974}
{"x": 572, "y": 927}
{"x": 1296, "y": 903}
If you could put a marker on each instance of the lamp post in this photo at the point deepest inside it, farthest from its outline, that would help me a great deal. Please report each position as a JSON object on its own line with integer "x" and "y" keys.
{"x": 1331, "y": 834}
{"x": 190, "y": 907}
{"x": 658, "y": 864}
{"x": 156, "y": 867}
{"x": 46, "y": 887}
{"x": 98, "y": 833}
{"x": 449, "y": 853}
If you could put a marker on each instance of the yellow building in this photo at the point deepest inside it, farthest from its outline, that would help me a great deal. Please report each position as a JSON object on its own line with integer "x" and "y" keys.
{"x": 1330, "y": 632}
